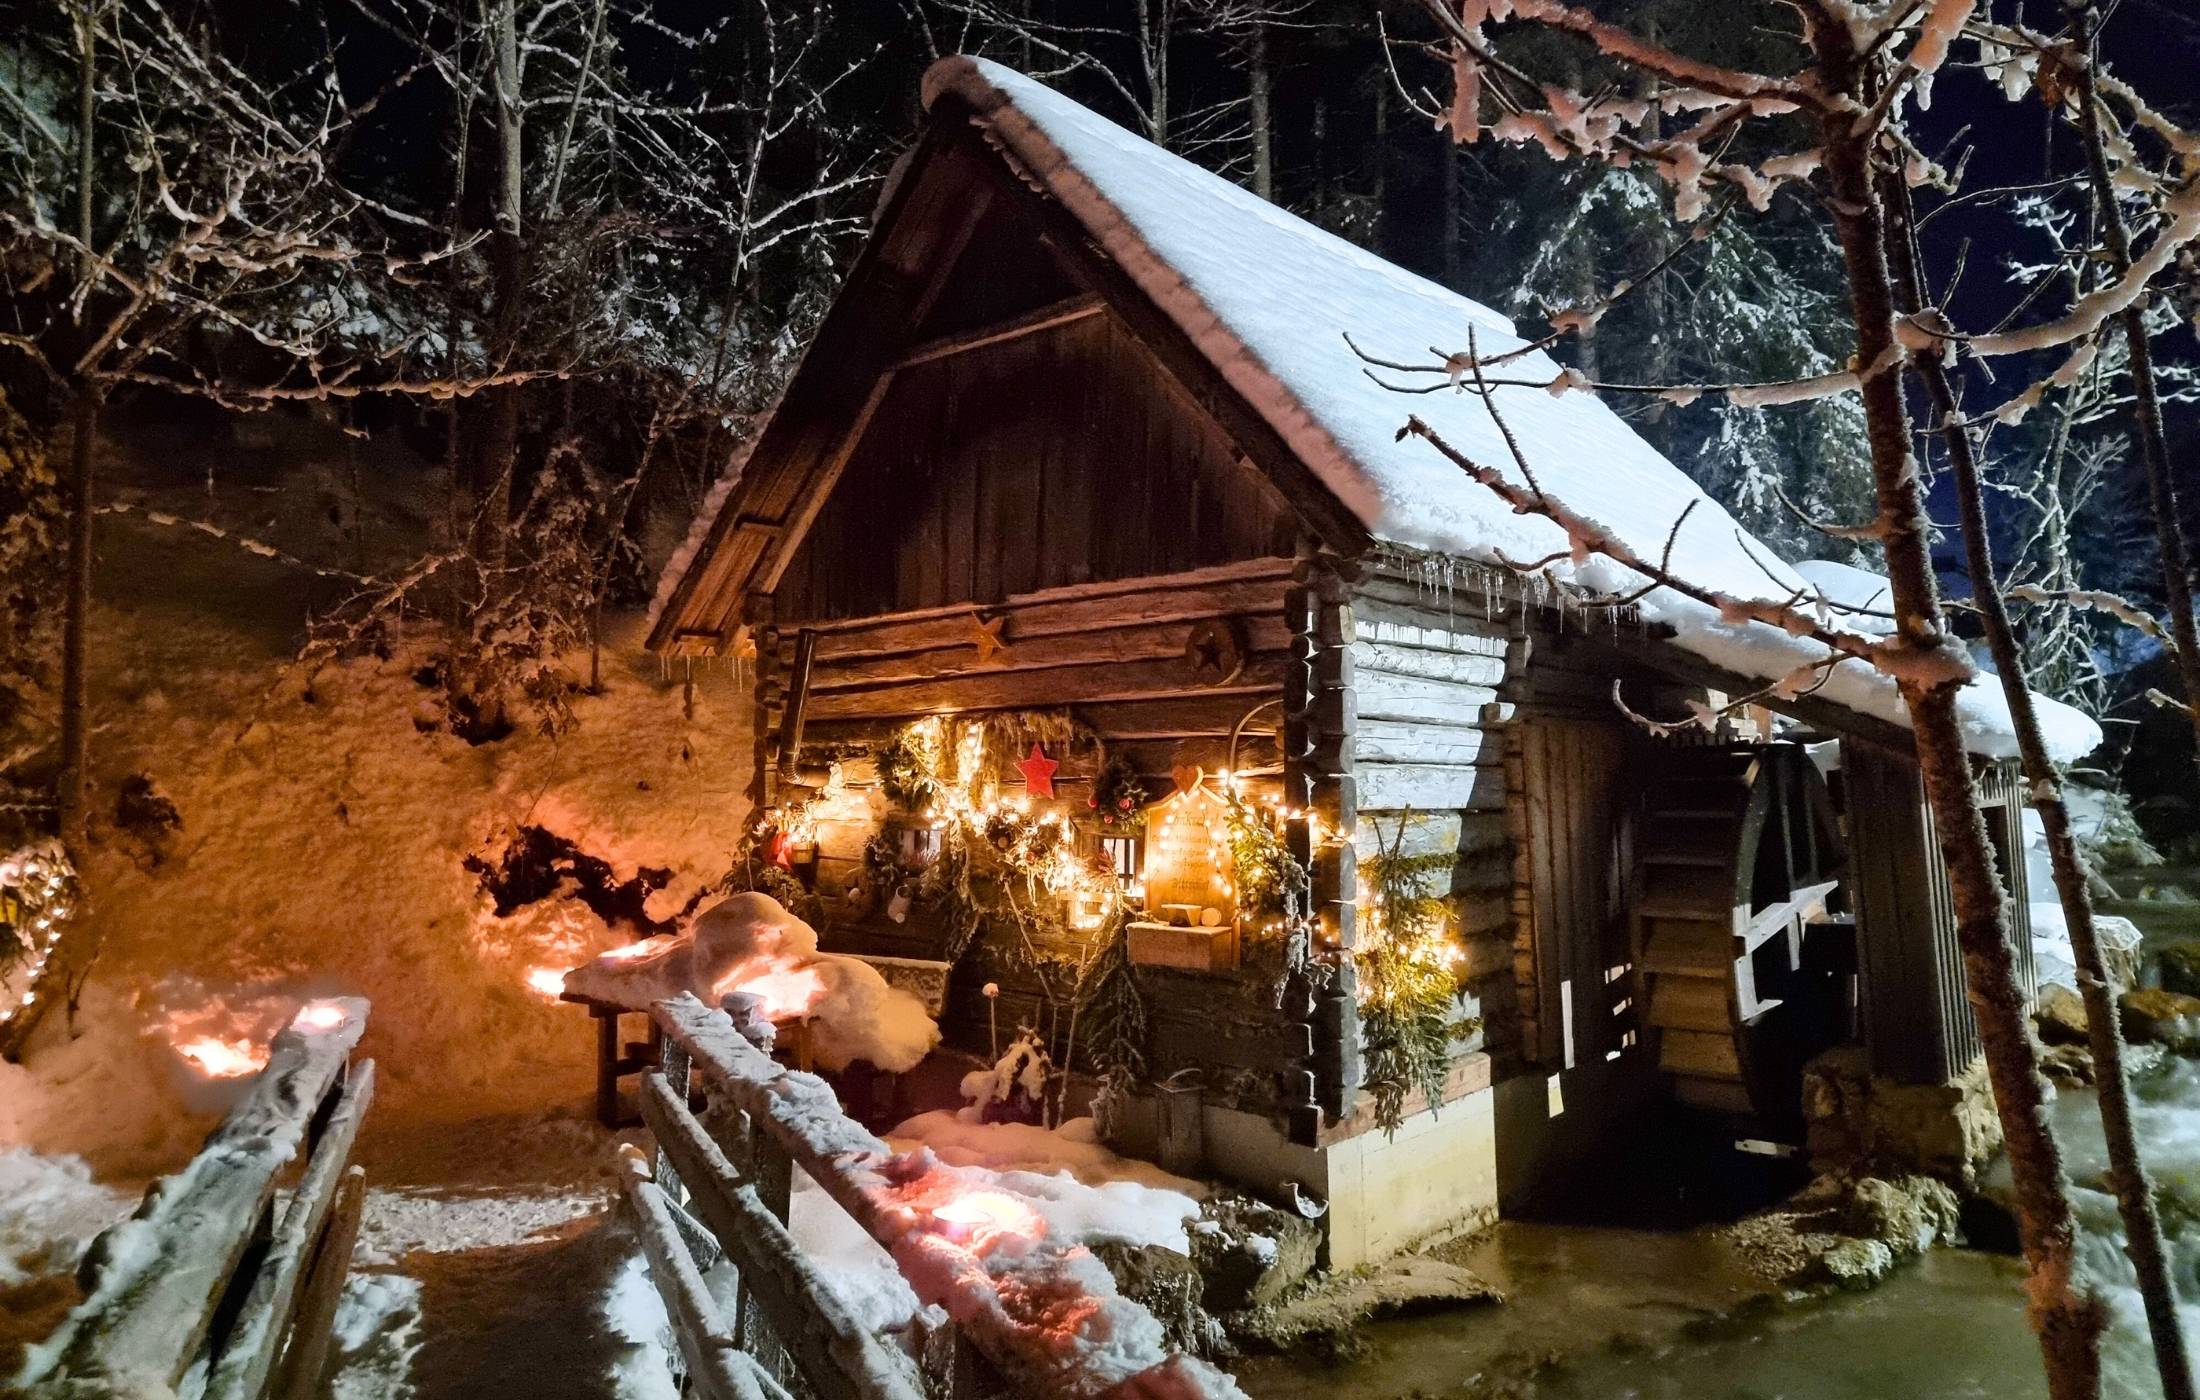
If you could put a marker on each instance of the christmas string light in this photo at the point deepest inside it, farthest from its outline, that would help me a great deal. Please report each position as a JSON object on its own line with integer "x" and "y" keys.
{"x": 39, "y": 880}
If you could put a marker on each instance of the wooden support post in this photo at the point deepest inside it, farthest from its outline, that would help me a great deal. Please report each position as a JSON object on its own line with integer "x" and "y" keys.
{"x": 797, "y": 702}
{"x": 757, "y": 610}
{"x": 306, "y": 1358}
{"x": 1321, "y": 714}
{"x": 607, "y": 1065}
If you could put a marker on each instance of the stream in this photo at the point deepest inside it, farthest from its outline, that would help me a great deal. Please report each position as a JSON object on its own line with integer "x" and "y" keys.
{"x": 1628, "y": 1314}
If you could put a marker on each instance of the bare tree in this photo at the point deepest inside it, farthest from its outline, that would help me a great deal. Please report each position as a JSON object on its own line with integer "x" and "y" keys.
{"x": 1855, "y": 69}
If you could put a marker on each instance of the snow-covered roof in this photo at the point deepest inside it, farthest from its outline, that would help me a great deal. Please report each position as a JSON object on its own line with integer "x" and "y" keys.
{"x": 1269, "y": 298}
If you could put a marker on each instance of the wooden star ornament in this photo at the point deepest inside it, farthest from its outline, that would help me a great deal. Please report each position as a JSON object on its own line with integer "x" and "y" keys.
{"x": 986, "y": 637}
{"x": 1038, "y": 771}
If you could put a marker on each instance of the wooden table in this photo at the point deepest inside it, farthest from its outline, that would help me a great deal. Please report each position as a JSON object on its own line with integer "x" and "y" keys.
{"x": 615, "y": 1060}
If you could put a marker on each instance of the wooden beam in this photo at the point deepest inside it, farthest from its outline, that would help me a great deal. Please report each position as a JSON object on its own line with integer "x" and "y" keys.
{"x": 1045, "y": 318}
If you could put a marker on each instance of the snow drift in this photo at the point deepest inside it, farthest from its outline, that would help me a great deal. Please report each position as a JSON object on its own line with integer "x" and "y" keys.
{"x": 751, "y": 943}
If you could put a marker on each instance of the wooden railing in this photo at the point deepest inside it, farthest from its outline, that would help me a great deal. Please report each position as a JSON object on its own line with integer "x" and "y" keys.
{"x": 209, "y": 1277}
{"x": 731, "y": 1127}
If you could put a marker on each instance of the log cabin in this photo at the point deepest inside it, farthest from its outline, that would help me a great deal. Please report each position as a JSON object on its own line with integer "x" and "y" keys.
{"x": 1083, "y": 510}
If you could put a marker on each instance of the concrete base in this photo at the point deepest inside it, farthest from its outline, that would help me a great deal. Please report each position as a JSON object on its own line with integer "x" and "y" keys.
{"x": 1858, "y": 1121}
{"x": 1437, "y": 1173}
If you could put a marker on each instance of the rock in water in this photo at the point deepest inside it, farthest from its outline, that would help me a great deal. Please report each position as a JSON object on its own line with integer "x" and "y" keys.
{"x": 2060, "y": 1015}
{"x": 2166, "y": 1018}
{"x": 2180, "y": 963}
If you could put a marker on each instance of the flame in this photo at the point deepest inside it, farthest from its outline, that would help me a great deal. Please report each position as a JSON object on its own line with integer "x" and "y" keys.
{"x": 981, "y": 1217}
{"x": 318, "y": 1016}
{"x": 547, "y": 981}
{"x": 787, "y": 989}
{"x": 631, "y": 950}
{"x": 223, "y": 1059}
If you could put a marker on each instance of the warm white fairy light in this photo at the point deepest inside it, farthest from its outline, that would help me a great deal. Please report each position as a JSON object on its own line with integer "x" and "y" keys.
{"x": 37, "y": 879}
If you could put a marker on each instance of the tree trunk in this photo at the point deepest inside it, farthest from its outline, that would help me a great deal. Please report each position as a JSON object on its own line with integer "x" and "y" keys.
{"x": 2067, "y": 1317}
{"x": 1263, "y": 118}
{"x": 74, "y": 778}
{"x": 2146, "y": 403}
{"x": 500, "y": 440}
{"x": 2127, "y": 1169}
{"x": 1449, "y": 239}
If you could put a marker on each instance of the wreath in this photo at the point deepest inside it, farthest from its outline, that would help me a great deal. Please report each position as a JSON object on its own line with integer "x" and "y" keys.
{"x": 1118, "y": 800}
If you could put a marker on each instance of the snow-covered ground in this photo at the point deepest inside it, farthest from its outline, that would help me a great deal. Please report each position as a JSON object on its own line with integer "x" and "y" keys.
{"x": 321, "y": 847}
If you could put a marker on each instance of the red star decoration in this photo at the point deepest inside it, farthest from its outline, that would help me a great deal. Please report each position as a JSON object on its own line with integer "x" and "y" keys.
{"x": 1038, "y": 771}
{"x": 779, "y": 850}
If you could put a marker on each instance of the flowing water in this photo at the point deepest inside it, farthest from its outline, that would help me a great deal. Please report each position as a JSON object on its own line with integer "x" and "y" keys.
{"x": 1628, "y": 1314}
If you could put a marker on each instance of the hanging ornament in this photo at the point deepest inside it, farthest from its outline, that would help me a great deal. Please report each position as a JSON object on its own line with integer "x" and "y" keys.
{"x": 779, "y": 849}
{"x": 1038, "y": 771}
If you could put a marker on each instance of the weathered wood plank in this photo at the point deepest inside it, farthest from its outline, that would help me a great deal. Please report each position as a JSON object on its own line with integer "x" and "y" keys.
{"x": 1055, "y": 685}
{"x": 1384, "y": 696}
{"x": 154, "y": 1277}
{"x": 835, "y": 1354}
{"x": 1409, "y": 741}
{"x": 305, "y": 1358}
{"x": 249, "y": 1352}
{"x": 716, "y": 1365}
{"x": 1045, "y": 318}
{"x": 1133, "y": 642}
{"x": 1253, "y": 586}
{"x": 1428, "y": 787}
{"x": 1428, "y": 663}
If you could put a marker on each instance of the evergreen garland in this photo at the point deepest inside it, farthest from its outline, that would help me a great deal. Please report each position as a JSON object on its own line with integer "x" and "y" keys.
{"x": 1407, "y": 991}
{"x": 909, "y": 768}
{"x": 1271, "y": 882}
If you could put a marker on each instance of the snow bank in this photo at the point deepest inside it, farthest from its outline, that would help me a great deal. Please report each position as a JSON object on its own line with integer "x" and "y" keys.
{"x": 1074, "y": 1148}
{"x": 2052, "y": 956}
{"x": 1084, "y": 1192}
{"x": 862, "y": 1275}
{"x": 751, "y": 943}
{"x": 1269, "y": 299}
{"x": 320, "y": 853}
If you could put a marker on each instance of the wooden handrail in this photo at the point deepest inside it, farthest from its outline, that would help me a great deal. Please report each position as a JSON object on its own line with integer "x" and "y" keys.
{"x": 157, "y": 1282}
{"x": 1038, "y": 1345}
{"x": 835, "y": 1354}
{"x": 716, "y": 1365}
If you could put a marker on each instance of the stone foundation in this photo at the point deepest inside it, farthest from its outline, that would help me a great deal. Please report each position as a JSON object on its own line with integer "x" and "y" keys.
{"x": 1859, "y": 1122}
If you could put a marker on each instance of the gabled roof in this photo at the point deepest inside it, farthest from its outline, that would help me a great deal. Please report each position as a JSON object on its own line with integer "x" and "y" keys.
{"x": 1266, "y": 299}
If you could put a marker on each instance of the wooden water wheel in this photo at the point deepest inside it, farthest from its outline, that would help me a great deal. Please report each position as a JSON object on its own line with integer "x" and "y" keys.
{"x": 1738, "y": 857}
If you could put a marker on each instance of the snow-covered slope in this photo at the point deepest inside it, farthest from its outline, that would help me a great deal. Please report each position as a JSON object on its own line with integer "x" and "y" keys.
{"x": 1269, "y": 299}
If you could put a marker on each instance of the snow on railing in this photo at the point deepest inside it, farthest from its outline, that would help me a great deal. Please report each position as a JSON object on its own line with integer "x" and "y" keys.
{"x": 159, "y": 1283}
{"x": 1043, "y": 1314}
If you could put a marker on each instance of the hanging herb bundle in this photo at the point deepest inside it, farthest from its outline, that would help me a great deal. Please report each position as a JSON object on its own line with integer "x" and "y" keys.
{"x": 1408, "y": 995}
{"x": 1118, "y": 800}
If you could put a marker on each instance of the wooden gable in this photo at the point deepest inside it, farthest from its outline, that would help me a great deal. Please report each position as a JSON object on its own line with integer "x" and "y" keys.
{"x": 1060, "y": 455}
{"x": 990, "y": 408}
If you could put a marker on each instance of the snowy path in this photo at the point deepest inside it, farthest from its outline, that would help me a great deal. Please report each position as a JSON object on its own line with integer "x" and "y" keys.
{"x": 491, "y": 1264}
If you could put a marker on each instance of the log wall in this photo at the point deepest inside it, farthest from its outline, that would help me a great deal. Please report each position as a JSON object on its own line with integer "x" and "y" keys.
{"x": 1113, "y": 655}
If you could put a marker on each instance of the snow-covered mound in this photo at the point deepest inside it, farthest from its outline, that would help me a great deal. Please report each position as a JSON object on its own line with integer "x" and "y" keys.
{"x": 1269, "y": 299}
{"x": 751, "y": 943}
{"x": 1083, "y": 1191}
